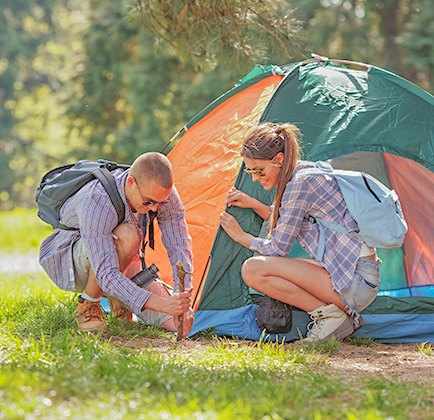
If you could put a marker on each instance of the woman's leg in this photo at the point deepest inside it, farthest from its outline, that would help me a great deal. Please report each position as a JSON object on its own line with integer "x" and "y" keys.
{"x": 304, "y": 284}
{"x": 298, "y": 282}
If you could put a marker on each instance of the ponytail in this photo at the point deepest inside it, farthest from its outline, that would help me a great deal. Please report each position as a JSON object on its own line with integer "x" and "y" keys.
{"x": 265, "y": 141}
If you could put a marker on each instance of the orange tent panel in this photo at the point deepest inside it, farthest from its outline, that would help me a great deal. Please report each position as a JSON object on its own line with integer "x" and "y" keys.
{"x": 206, "y": 162}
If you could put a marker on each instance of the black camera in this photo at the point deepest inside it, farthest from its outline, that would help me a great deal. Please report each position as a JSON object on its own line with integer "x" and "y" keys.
{"x": 146, "y": 276}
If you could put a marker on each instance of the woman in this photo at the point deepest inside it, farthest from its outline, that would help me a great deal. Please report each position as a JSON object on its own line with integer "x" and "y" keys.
{"x": 334, "y": 290}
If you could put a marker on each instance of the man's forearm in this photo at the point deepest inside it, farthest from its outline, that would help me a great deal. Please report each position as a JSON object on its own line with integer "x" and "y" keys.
{"x": 155, "y": 303}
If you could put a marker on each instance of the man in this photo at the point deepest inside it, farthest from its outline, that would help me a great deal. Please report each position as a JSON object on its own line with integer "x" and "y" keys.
{"x": 101, "y": 257}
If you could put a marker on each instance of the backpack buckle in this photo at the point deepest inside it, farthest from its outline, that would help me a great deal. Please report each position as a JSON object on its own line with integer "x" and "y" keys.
{"x": 310, "y": 218}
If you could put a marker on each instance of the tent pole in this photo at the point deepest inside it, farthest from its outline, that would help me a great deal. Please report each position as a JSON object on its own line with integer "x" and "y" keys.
{"x": 173, "y": 138}
{"x": 201, "y": 281}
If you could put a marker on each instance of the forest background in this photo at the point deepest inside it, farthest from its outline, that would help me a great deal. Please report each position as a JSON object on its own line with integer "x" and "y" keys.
{"x": 89, "y": 79}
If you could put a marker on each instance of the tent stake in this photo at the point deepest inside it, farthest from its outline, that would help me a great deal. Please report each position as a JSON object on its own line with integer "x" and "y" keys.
{"x": 181, "y": 276}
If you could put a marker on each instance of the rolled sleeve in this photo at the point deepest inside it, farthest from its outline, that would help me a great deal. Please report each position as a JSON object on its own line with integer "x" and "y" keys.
{"x": 175, "y": 236}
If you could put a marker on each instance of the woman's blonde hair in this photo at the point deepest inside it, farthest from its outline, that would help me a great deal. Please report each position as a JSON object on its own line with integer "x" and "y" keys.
{"x": 265, "y": 141}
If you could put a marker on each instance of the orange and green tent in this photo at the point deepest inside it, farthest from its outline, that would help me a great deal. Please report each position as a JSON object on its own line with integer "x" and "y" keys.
{"x": 356, "y": 116}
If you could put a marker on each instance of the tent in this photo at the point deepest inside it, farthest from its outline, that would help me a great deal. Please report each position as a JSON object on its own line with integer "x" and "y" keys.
{"x": 356, "y": 116}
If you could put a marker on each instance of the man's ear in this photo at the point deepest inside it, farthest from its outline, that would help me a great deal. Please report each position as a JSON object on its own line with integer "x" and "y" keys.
{"x": 130, "y": 181}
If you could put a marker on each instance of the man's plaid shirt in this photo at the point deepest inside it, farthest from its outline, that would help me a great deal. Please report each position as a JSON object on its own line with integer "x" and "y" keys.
{"x": 91, "y": 210}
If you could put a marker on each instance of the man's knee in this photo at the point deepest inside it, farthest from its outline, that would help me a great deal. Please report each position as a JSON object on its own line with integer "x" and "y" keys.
{"x": 127, "y": 241}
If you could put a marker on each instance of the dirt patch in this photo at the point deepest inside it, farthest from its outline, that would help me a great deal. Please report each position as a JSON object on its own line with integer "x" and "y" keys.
{"x": 402, "y": 362}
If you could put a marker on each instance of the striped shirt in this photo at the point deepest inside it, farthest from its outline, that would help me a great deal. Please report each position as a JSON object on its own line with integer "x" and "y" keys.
{"x": 321, "y": 197}
{"x": 92, "y": 211}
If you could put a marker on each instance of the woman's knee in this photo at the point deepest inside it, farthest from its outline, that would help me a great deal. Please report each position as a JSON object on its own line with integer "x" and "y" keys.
{"x": 251, "y": 270}
{"x": 127, "y": 241}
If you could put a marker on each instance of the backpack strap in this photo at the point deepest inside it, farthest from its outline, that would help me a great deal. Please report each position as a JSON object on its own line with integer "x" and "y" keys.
{"x": 152, "y": 216}
{"x": 324, "y": 170}
{"x": 324, "y": 223}
{"x": 108, "y": 182}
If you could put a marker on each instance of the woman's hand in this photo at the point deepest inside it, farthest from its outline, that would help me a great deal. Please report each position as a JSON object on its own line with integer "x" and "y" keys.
{"x": 238, "y": 198}
{"x": 234, "y": 230}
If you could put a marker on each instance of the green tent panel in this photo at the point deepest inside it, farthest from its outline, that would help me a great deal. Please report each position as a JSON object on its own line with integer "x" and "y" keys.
{"x": 359, "y": 117}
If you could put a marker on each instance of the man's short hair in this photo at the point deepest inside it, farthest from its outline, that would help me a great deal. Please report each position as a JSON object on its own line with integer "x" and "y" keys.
{"x": 153, "y": 166}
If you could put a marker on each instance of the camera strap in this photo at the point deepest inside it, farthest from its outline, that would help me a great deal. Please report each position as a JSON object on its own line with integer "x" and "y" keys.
{"x": 152, "y": 215}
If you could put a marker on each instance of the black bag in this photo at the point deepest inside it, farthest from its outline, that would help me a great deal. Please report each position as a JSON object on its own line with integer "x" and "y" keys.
{"x": 61, "y": 183}
{"x": 273, "y": 316}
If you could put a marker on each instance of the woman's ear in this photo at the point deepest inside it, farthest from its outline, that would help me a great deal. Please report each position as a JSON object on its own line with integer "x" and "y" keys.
{"x": 279, "y": 159}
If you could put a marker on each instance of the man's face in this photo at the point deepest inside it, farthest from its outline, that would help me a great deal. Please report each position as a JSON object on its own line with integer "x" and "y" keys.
{"x": 148, "y": 196}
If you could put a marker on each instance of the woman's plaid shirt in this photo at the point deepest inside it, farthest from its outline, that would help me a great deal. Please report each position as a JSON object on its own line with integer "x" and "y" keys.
{"x": 321, "y": 197}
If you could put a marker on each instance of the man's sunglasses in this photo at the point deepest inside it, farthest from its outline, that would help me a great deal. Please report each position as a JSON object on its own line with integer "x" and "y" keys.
{"x": 259, "y": 172}
{"x": 145, "y": 203}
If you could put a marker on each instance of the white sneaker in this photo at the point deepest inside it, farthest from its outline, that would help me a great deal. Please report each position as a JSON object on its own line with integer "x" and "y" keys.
{"x": 327, "y": 321}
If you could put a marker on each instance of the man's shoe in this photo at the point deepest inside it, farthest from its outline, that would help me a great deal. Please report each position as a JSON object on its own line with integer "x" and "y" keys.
{"x": 89, "y": 315}
{"x": 327, "y": 321}
{"x": 119, "y": 311}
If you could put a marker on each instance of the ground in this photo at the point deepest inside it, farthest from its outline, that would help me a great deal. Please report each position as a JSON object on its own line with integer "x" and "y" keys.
{"x": 403, "y": 362}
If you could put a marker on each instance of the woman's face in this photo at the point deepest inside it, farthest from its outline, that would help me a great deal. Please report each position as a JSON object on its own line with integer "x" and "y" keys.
{"x": 265, "y": 171}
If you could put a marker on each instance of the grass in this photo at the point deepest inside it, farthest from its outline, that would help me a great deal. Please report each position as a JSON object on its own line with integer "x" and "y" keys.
{"x": 22, "y": 231}
{"x": 361, "y": 341}
{"x": 426, "y": 349}
{"x": 49, "y": 370}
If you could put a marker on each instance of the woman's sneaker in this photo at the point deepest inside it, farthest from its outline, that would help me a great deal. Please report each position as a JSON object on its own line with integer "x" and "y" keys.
{"x": 89, "y": 316}
{"x": 358, "y": 323}
{"x": 327, "y": 321}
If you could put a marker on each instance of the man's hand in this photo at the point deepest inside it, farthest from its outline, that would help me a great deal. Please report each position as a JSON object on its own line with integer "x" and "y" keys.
{"x": 175, "y": 305}
{"x": 179, "y": 303}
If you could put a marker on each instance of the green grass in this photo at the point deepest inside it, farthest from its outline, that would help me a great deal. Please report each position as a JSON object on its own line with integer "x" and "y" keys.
{"x": 361, "y": 341}
{"x": 426, "y": 349}
{"x": 48, "y": 370}
{"x": 22, "y": 231}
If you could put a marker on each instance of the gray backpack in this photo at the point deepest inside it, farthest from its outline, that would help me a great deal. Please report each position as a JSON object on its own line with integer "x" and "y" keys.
{"x": 63, "y": 182}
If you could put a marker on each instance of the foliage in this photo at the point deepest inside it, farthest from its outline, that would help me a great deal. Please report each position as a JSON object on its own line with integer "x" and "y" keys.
{"x": 392, "y": 34}
{"x": 113, "y": 79}
{"x": 90, "y": 88}
{"x": 238, "y": 33}
{"x": 24, "y": 27}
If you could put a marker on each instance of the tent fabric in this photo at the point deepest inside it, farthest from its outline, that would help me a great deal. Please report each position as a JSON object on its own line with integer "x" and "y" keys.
{"x": 206, "y": 162}
{"x": 240, "y": 322}
{"x": 361, "y": 118}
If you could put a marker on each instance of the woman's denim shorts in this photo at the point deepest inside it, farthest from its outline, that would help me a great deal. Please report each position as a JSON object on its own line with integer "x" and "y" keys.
{"x": 364, "y": 286}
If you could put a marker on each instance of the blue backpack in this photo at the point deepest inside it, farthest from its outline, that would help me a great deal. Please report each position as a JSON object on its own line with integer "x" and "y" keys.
{"x": 374, "y": 207}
